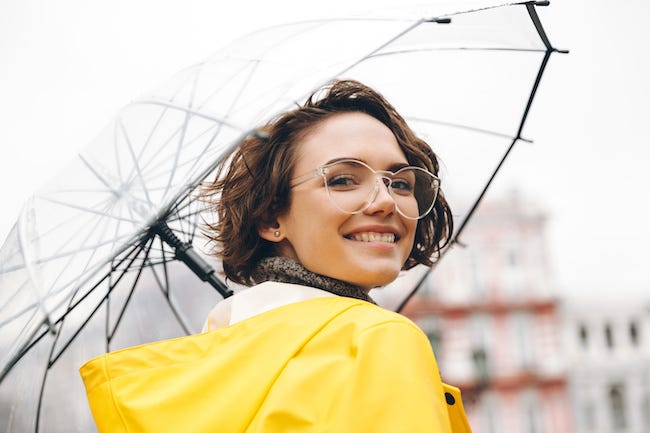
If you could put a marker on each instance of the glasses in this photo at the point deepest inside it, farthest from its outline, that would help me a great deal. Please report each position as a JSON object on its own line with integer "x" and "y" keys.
{"x": 352, "y": 186}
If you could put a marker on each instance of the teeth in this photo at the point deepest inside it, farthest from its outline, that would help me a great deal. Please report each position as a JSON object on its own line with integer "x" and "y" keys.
{"x": 373, "y": 237}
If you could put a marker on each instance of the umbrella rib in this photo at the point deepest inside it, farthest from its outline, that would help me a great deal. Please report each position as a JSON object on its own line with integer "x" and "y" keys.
{"x": 10, "y": 298}
{"x": 136, "y": 165}
{"x": 89, "y": 210}
{"x": 430, "y": 49}
{"x": 363, "y": 58}
{"x": 183, "y": 132}
{"x": 158, "y": 261}
{"x": 314, "y": 24}
{"x": 98, "y": 175}
{"x": 114, "y": 191}
{"x": 134, "y": 249}
{"x": 194, "y": 224}
{"x": 146, "y": 248}
{"x": 117, "y": 152}
{"x": 382, "y": 46}
{"x": 49, "y": 232}
{"x": 80, "y": 190}
{"x": 19, "y": 313}
{"x": 155, "y": 127}
{"x": 151, "y": 133}
{"x": 328, "y": 21}
{"x": 33, "y": 341}
{"x": 67, "y": 253}
{"x": 465, "y": 127}
{"x": 181, "y": 221}
{"x": 26, "y": 347}
{"x": 108, "y": 308}
{"x": 228, "y": 112}
{"x": 193, "y": 220}
{"x": 164, "y": 255}
{"x": 185, "y": 206}
{"x": 47, "y": 369}
{"x": 162, "y": 146}
{"x": 72, "y": 256}
{"x": 225, "y": 85}
{"x": 150, "y": 166}
{"x": 187, "y": 111}
{"x": 87, "y": 320}
{"x": 166, "y": 294}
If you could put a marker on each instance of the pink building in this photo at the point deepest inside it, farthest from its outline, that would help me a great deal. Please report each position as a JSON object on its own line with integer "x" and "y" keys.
{"x": 495, "y": 324}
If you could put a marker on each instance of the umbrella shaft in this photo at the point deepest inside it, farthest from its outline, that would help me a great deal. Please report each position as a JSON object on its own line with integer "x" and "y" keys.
{"x": 186, "y": 253}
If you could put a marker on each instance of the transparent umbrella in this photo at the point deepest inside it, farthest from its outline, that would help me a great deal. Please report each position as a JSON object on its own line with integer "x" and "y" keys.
{"x": 107, "y": 254}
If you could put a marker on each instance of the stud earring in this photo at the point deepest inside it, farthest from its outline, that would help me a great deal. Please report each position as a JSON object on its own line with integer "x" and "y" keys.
{"x": 276, "y": 233}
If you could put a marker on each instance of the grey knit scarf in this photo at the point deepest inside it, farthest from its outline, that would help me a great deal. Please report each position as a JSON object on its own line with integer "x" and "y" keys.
{"x": 286, "y": 270}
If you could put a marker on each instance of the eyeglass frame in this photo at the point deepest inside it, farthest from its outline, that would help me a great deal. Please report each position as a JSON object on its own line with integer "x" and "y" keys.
{"x": 321, "y": 171}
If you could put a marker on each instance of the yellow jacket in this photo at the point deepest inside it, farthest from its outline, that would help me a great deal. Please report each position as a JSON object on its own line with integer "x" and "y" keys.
{"x": 329, "y": 364}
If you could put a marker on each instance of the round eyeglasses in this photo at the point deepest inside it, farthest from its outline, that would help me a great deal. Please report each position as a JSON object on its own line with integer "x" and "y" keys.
{"x": 352, "y": 186}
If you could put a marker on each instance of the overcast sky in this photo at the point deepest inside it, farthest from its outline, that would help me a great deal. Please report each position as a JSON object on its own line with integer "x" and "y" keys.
{"x": 68, "y": 66}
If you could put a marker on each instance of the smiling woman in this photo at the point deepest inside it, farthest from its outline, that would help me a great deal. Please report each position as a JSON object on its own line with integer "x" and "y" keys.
{"x": 321, "y": 205}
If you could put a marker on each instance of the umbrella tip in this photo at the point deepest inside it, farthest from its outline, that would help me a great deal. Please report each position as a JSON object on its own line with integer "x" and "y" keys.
{"x": 444, "y": 20}
{"x": 542, "y": 3}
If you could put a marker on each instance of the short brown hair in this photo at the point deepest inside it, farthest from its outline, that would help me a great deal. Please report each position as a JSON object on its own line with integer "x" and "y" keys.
{"x": 251, "y": 187}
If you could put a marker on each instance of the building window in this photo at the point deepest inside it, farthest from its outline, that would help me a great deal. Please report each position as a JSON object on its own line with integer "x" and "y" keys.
{"x": 589, "y": 417}
{"x": 609, "y": 336}
{"x": 533, "y": 412}
{"x": 490, "y": 414}
{"x": 480, "y": 327}
{"x": 584, "y": 335}
{"x": 617, "y": 406}
{"x": 645, "y": 411}
{"x": 634, "y": 333}
{"x": 513, "y": 260}
{"x": 477, "y": 276}
{"x": 521, "y": 328}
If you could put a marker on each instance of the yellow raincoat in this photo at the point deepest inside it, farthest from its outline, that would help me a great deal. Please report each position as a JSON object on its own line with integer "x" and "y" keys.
{"x": 330, "y": 364}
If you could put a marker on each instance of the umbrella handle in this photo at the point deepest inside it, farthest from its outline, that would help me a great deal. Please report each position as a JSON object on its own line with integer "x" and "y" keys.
{"x": 186, "y": 253}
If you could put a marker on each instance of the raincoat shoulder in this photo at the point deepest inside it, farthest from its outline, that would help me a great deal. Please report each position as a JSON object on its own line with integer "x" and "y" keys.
{"x": 323, "y": 365}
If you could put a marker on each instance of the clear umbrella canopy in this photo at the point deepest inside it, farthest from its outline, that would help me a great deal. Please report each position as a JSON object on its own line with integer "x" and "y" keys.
{"x": 92, "y": 263}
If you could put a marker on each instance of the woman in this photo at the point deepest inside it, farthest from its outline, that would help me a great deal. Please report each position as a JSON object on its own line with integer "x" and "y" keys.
{"x": 323, "y": 204}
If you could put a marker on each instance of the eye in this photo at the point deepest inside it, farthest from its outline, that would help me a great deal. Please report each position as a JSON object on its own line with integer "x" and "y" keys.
{"x": 402, "y": 186}
{"x": 342, "y": 182}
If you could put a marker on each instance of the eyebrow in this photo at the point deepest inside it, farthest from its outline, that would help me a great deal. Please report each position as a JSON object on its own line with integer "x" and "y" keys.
{"x": 393, "y": 167}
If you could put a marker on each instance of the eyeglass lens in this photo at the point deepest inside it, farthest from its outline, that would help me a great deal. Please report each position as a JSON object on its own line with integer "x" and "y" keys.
{"x": 353, "y": 186}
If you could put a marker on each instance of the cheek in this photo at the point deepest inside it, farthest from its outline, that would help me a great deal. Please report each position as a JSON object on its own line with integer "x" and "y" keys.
{"x": 411, "y": 228}
{"x": 312, "y": 219}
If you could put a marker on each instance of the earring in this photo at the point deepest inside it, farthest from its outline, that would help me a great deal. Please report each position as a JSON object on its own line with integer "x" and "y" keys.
{"x": 276, "y": 233}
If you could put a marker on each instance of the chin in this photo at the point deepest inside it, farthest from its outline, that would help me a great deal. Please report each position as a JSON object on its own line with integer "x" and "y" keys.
{"x": 371, "y": 279}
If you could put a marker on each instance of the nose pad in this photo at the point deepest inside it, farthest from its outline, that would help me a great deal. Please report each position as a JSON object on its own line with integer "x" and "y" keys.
{"x": 381, "y": 199}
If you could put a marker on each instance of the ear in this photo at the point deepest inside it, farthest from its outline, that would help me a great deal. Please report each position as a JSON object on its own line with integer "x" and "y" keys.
{"x": 271, "y": 232}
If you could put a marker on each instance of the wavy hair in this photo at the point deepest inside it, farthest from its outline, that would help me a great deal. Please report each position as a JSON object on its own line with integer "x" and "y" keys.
{"x": 251, "y": 187}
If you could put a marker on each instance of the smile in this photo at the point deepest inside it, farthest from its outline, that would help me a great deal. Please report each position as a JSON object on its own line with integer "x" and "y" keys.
{"x": 373, "y": 237}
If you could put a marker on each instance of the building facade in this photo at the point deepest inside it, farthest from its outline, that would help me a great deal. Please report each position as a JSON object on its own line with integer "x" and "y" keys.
{"x": 608, "y": 350}
{"x": 494, "y": 322}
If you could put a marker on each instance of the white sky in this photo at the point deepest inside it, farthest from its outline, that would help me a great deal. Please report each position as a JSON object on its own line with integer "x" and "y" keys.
{"x": 67, "y": 67}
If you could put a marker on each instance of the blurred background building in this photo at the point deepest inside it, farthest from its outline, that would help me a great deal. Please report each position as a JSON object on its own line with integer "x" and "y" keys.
{"x": 608, "y": 350}
{"x": 495, "y": 322}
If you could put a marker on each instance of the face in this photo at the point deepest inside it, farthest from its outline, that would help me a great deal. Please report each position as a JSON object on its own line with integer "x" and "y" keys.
{"x": 355, "y": 248}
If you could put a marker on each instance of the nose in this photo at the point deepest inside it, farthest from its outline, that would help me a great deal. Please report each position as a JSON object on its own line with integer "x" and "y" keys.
{"x": 382, "y": 201}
